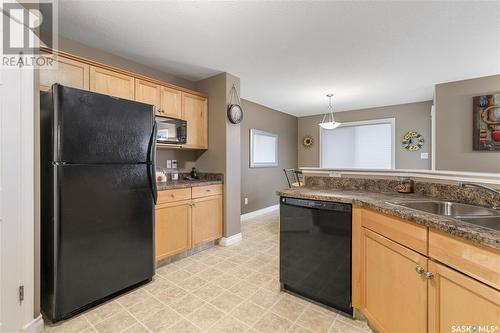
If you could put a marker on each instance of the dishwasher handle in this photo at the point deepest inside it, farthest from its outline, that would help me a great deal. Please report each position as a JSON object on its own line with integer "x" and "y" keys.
{"x": 314, "y": 204}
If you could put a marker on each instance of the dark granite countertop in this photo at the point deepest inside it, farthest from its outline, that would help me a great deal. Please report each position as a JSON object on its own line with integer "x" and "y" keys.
{"x": 186, "y": 183}
{"x": 378, "y": 202}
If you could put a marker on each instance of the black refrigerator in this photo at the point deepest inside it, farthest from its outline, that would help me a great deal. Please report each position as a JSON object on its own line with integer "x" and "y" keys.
{"x": 98, "y": 191}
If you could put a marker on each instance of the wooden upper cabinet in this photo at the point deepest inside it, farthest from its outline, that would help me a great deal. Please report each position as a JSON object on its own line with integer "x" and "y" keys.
{"x": 172, "y": 228}
{"x": 394, "y": 294}
{"x": 195, "y": 112}
{"x": 68, "y": 72}
{"x": 111, "y": 83}
{"x": 206, "y": 219}
{"x": 170, "y": 102}
{"x": 457, "y": 300}
{"x": 147, "y": 92}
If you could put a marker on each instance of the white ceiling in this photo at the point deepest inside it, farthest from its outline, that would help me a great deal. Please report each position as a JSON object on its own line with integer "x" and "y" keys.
{"x": 290, "y": 54}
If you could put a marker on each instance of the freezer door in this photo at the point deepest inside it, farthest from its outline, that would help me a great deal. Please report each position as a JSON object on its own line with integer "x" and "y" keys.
{"x": 105, "y": 231}
{"x": 94, "y": 128}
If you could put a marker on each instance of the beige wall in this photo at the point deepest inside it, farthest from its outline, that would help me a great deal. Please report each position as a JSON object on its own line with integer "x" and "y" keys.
{"x": 453, "y": 103}
{"x": 259, "y": 185}
{"x": 223, "y": 154}
{"x": 91, "y": 53}
{"x": 413, "y": 116}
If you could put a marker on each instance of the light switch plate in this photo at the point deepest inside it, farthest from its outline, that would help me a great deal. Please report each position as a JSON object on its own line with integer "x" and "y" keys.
{"x": 246, "y": 201}
{"x": 424, "y": 156}
{"x": 169, "y": 164}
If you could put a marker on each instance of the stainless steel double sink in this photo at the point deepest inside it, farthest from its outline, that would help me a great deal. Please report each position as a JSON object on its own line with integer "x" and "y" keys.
{"x": 480, "y": 216}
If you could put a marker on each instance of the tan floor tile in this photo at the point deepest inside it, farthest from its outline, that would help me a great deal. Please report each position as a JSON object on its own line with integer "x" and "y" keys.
{"x": 258, "y": 279}
{"x": 192, "y": 283}
{"x": 316, "y": 321}
{"x": 210, "y": 274}
{"x": 228, "y": 324}
{"x": 225, "y": 281}
{"x": 104, "y": 311}
{"x": 298, "y": 329}
{"x": 271, "y": 323}
{"x": 157, "y": 285}
{"x": 288, "y": 309}
{"x": 205, "y": 316}
{"x": 208, "y": 292}
{"x": 165, "y": 269}
{"x": 171, "y": 295}
{"x": 116, "y": 323}
{"x": 137, "y": 328}
{"x": 342, "y": 327}
{"x": 183, "y": 326}
{"x": 161, "y": 320}
{"x": 73, "y": 325}
{"x": 196, "y": 267}
{"x": 227, "y": 301}
{"x": 177, "y": 276}
{"x": 187, "y": 304}
{"x": 226, "y": 265}
{"x": 360, "y": 324}
{"x": 133, "y": 297}
{"x": 265, "y": 298}
{"x": 244, "y": 290}
{"x": 248, "y": 312}
{"x": 145, "y": 307}
{"x": 213, "y": 260}
{"x": 88, "y": 330}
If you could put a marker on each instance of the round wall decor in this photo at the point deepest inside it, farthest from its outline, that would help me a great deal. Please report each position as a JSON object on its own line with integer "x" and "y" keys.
{"x": 235, "y": 113}
{"x": 307, "y": 141}
{"x": 412, "y": 141}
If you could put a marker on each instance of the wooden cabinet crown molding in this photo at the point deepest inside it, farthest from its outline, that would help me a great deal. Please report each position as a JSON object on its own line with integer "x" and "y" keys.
{"x": 121, "y": 71}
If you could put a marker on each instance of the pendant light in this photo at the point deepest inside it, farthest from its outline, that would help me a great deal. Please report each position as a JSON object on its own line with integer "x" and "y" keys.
{"x": 330, "y": 123}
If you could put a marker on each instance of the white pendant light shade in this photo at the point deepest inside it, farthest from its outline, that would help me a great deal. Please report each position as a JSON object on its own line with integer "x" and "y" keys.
{"x": 329, "y": 125}
{"x": 330, "y": 122}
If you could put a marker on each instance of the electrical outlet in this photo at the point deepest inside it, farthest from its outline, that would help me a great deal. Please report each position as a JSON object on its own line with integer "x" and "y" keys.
{"x": 246, "y": 201}
{"x": 424, "y": 156}
{"x": 169, "y": 164}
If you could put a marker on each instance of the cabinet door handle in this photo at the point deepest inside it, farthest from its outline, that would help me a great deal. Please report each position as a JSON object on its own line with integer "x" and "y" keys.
{"x": 420, "y": 270}
{"x": 429, "y": 275}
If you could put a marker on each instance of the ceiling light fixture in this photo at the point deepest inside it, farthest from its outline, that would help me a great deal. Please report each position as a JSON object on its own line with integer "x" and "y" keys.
{"x": 331, "y": 123}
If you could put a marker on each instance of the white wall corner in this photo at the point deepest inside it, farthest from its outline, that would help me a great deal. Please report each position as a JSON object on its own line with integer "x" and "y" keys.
{"x": 35, "y": 326}
{"x": 231, "y": 240}
{"x": 259, "y": 212}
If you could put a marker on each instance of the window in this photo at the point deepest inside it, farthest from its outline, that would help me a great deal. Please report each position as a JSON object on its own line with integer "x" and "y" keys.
{"x": 362, "y": 144}
{"x": 263, "y": 149}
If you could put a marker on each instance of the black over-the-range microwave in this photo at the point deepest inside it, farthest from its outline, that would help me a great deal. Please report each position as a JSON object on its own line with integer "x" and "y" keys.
{"x": 171, "y": 130}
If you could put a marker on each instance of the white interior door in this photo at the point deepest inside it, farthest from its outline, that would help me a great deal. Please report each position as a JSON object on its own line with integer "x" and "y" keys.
{"x": 17, "y": 221}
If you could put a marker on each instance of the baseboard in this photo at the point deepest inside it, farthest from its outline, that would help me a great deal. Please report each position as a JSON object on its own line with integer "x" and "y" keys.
{"x": 259, "y": 212}
{"x": 35, "y": 326}
{"x": 231, "y": 240}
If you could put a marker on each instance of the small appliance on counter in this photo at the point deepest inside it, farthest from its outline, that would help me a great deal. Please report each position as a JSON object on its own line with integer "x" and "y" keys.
{"x": 194, "y": 174}
{"x": 406, "y": 185}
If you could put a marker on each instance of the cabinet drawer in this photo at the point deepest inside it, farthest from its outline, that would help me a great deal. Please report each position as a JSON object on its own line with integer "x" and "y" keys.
{"x": 403, "y": 232}
{"x": 174, "y": 195}
{"x": 205, "y": 191}
{"x": 479, "y": 262}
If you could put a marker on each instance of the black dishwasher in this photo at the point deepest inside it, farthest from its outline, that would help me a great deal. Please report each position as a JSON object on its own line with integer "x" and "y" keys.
{"x": 315, "y": 251}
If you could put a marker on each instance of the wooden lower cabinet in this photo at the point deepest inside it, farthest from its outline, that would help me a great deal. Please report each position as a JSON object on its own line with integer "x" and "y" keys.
{"x": 401, "y": 290}
{"x": 173, "y": 228}
{"x": 206, "y": 219}
{"x": 456, "y": 300}
{"x": 394, "y": 296}
{"x": 184, "y": 221}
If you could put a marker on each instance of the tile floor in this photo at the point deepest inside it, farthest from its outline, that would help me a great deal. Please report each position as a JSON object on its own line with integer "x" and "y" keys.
{"x": 222, "y": 289}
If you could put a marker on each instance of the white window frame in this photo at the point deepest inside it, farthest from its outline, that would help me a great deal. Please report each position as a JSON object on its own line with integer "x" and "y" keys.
{"x": 253, "y": 133}
{"x": 391, "y": 121}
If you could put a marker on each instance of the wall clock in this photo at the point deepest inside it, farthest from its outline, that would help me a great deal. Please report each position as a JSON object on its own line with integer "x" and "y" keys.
{"x": 307, "y": 141}
{"x": 235, "y": 113}
{"x": 412, "y": 141}
{"x": 234, "y": 110}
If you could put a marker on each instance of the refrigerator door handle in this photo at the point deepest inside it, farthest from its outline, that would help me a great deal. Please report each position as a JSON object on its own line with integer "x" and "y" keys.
{"x": 152, "y": 163}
